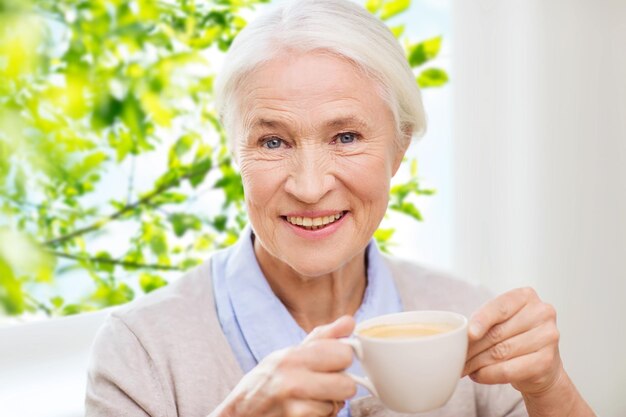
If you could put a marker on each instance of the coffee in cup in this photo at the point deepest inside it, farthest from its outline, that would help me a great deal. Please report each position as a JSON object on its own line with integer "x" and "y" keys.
{"x": 413, "y": 360}
{"x": 405, "y": 330}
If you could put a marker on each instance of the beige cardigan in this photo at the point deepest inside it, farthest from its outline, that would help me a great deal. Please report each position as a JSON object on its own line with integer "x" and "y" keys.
{"x": 165, "y": 355}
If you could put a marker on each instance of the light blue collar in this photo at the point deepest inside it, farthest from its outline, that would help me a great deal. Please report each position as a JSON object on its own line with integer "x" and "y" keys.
{"x": 265, "y": 322}
{"x": 255, "y": 321}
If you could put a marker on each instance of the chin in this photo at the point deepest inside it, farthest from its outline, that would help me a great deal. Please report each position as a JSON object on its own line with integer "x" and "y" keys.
{"x": 314, "y": 267}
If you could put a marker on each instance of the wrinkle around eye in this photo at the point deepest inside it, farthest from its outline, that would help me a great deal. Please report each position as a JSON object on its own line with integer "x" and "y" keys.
{"x": 361, "y": 154}
{"x": 357, "y": 147}
{"x": 251, "y": 165}
{"x": 261, "y": 153}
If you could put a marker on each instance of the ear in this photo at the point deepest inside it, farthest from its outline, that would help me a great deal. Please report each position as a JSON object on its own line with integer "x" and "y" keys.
{"x": 401, "y": 146}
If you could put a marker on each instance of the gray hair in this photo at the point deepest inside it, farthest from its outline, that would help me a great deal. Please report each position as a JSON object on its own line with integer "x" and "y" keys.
{"x": 338, "y": 27}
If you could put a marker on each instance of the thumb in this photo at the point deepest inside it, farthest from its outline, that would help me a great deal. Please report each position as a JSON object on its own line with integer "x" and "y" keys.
{"x": 342, "y": 327}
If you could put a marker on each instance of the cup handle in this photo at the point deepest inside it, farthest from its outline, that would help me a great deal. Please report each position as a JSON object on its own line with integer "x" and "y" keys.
{"x": 358, "y": 352}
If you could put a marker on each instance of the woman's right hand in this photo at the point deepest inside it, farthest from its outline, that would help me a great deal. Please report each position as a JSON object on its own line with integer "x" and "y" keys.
{"x": 304, "y": 380}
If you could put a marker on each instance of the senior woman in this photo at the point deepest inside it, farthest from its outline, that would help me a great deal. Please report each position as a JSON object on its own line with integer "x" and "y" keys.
{"x": 320, "y": 106}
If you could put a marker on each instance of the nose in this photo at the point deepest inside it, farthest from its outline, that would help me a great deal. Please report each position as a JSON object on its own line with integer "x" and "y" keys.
{"x": 311, "y": 176}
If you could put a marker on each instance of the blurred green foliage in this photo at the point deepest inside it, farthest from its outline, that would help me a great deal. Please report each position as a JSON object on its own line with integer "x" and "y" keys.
{"x": 89, "y": 91}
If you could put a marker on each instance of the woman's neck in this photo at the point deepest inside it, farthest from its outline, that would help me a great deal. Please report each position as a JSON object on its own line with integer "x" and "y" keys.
{"x": 315, "y": 300}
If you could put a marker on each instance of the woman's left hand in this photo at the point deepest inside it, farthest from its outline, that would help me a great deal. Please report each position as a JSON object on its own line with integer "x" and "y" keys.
{"x": 514, "y": 339}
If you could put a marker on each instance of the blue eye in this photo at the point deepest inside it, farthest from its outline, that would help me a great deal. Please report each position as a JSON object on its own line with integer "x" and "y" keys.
{"x": 347, "y": 137}
{"x": 273, "y": 143}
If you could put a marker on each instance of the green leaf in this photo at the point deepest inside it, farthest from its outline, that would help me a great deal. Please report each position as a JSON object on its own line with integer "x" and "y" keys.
{"x": 106, "y": 111}
{"x": 109, "y": 294}
{"x": 44, "y": 272}
{"x": 432, "y": 77}
{"x": 169, "y": 197}
{"x": 373, "y": 6}
{"x": 394, "y": 7}
{"x": 170, "y": 178}
{"x": 11, "y": 291}
{"x": 182, "y": 222}
{"x": 20, "y": 180}
{"x": 150, "y": 282}
{"x": 123, "y": 144}
{"x": 134, "y": 117}
{"x": 232, "y": 186}
{"x": 219, "y": 222}
{"x": 157, "y": 108}
{"x": 57, "y": 301}
{"x": 424, "y": 51}
{"x": 199, "y": 171}
{"x": 203, "y": 242}
{"x": 409, "y": 209}
{"x": 383, "y": 239}
{"x": 190, "y": 263}
{"x": 383, "y": 235}
{"x": 104, "y": 266}
{"x": 88, "y": 164}
{"x": 158, "y": 242}
{"x": 202, "y": 164}
{"x": 183, "y": 145}
{"x": 71, "y": 309}
{"x": 134, "y": 256}
{"x": 397, "y": 30}
{"x": 401, "y": 191}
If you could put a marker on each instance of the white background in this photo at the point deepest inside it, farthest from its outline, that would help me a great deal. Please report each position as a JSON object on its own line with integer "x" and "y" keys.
{"x": 540, "y": 169}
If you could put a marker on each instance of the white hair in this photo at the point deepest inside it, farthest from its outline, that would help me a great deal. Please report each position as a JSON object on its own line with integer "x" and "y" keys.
{"x": 338, "y": 27}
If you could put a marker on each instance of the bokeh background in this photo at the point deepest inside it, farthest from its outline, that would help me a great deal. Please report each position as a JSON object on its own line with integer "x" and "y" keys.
{"x": 114, "y": 176}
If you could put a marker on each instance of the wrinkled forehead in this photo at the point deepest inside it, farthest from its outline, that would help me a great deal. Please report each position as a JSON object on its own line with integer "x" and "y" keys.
{"x": 309, "y": 88}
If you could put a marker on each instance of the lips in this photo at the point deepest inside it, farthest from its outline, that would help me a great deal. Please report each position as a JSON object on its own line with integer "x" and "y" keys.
{"x": 314, "y": 223}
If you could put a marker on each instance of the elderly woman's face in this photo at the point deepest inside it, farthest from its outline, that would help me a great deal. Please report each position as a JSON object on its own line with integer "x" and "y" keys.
{"x": 317, "y": 151}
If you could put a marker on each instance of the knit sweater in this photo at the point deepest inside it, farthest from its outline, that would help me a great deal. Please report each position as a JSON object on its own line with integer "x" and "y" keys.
{"x": 165, "y": 354}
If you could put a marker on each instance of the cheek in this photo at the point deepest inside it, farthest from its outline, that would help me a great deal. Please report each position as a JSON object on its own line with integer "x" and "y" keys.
{"x": 376, "y": 193}
{"x": 368, "y": 178}
{"x": 261, "y": 181}
{"x": 371, "y": 204}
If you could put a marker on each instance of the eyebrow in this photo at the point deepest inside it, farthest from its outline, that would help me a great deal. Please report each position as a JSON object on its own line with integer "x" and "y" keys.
{"x": 347, "y": 121}
{"x": 334, "y": 123}
{"x": 267, "y": 123}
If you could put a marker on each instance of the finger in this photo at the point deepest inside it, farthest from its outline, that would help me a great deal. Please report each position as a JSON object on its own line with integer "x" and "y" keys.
{"x": 337, "y": 407}
{"x": 498, "y": 310}
{"x": 342, "y": 327}
{"x": 308, "y": 408}
{"x": 522, "y": 344}
{"x": 528, "y": 367}
{"x": 528, "y": 317}
{"x": 322, "y": 355}
{"x": 320, "y": 386}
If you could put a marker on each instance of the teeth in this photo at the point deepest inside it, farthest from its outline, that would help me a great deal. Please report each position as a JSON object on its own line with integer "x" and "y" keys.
{"x": 314, "y": 223}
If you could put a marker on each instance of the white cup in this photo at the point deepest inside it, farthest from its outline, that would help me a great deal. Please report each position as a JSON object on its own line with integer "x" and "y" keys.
{"x": 414, "y": 374}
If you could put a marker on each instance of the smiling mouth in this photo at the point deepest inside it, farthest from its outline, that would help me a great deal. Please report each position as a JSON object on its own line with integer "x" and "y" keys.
{"x": 314, "y": 223}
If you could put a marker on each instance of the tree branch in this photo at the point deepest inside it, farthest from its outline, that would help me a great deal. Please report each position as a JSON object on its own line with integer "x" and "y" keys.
{"x": 131, "y": 180}
{"x": 126, "y": 264}
{"x": 128, "y": 207}
{"x": 38, "y": 304}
